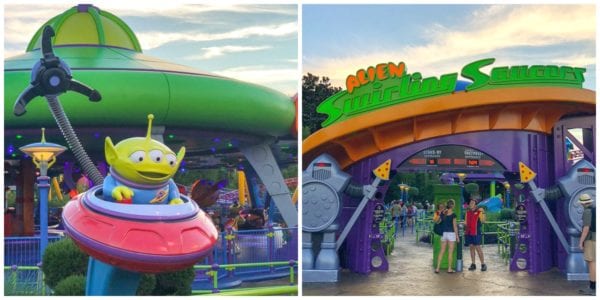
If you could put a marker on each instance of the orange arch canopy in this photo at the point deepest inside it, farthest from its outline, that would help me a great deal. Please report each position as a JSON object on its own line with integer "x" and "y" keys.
{"x": 524, "y": 108}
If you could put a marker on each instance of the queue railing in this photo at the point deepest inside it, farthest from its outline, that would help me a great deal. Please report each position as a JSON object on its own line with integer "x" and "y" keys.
{"x": 213, "y": 272}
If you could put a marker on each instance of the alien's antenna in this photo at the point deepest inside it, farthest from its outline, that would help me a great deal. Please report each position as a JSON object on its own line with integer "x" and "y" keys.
{"x": 149, "y": 134}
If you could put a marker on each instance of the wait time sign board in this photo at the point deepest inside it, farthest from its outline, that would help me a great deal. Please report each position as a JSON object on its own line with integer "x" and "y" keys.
{"x": 452, "y": 157}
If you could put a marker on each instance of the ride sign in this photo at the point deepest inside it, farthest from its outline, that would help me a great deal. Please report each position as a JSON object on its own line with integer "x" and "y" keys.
{"x": 453, "y": 157}
{"x": 387, "y": 84}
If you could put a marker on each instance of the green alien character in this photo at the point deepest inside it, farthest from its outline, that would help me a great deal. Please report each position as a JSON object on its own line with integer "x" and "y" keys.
{"x": 141, "y": 170}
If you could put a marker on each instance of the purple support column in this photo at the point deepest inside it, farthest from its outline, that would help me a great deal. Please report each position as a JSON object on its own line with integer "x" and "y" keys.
{"x": 541, "y": 233}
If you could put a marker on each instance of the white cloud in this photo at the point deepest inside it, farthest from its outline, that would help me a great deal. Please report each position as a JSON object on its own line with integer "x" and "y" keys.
{"x": 579, "y": 60}
{"x": 13, "y": 52}
{"x": 212, "y": 52}
{"x": 263, "y": 75}
{"x": 175, "y": 9}
{"x": 150, "y": 40}
{"x": 38, "y": 10}
{"x": 284, "y": 80}
{"x": 492, "y": 29}
{"x": 21, "y": 21}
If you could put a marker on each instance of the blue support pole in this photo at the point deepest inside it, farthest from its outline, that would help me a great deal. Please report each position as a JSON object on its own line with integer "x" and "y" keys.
{"x": 461, "y": 217}
{"x": 43, "y": 186}
{"x": 106, "y": 280}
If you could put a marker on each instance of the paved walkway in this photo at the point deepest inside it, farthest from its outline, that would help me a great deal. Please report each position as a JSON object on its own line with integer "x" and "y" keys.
{"x": 411, "y": 274}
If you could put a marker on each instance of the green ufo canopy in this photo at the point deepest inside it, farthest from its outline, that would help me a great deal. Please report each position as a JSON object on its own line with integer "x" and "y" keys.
{"x": 104, "y": 53}
{"x": 87, "y": 25}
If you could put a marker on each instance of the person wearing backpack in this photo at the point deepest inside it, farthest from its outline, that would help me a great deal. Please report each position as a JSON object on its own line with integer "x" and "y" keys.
{"x": 587, "y": 241}
{"x": 473, "y": 220}
{"x": 449, "y": 236}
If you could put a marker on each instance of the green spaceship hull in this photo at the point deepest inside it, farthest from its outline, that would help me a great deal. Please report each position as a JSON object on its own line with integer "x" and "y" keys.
{"x": 133, "y": 85}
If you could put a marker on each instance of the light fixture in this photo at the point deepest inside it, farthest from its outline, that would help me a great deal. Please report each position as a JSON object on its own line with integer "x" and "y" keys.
{"x": 44, "y": 156}
{"x": 43, "y": 153}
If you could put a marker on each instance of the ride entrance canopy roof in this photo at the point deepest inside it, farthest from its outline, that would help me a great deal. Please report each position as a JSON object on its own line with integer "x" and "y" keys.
{"x": 385, "y": 107}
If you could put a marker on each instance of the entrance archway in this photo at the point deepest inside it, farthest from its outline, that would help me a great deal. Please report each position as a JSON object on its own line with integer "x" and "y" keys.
{"x": 509, "y": 125}
{"x": 529, "y": 147}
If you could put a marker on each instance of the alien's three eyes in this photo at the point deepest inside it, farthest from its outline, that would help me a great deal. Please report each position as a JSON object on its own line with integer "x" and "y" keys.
{"x": 156, "y": 156}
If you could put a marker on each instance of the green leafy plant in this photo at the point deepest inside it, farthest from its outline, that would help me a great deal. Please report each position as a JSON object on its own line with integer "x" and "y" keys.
{"x": 10, "y": 283}
{"x": 65, "y": 267}
{"x": 175, "y": 283}
{"x": 507, "y": 214}
{"x": 413, "y": 191}
{"x": 61, "y": 260}
{"x": 315, "y": 89}
{"x": 472, "y": 188}
{"x": 305, "y": 132}
{"x": 492, "y": 216}
{"x": 56, "y": 202}
{"x": 73, "y": 285}
{"x": 147, "y": 285}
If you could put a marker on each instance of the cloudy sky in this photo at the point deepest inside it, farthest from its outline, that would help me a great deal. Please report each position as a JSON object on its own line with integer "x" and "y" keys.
{"x": 255, "y": 43}
{"x": 438, "y": 39}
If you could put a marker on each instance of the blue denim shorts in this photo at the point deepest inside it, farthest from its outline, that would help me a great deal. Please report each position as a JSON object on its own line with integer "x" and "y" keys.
{"x": 473, "y": 240}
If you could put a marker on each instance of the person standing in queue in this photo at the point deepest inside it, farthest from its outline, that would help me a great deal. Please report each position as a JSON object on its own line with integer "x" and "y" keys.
{"x": 449, "y": 236}
{"x": 403, "y": 213}
{"x": 473, "y": 220}
{"x": 587, "y": 241}
{"x": 396, "y": 215}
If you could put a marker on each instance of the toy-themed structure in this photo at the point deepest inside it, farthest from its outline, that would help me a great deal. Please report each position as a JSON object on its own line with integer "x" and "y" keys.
{"x": 488, "y": 125}
{"x": 207, "y": 113}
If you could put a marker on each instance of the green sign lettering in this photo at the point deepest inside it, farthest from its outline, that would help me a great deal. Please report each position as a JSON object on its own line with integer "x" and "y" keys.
{"x": 389, "y": 84}
{"x": 516, "y": 76}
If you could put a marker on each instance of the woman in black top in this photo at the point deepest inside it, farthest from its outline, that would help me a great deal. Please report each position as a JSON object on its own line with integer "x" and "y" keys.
{"x": 450, "y": 235}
